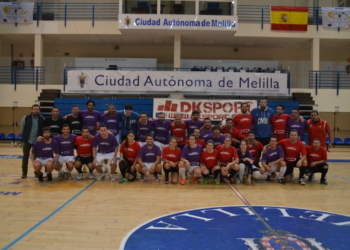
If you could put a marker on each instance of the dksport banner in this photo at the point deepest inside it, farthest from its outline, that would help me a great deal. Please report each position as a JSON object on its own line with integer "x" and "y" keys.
{"x": 16, "y": 12}
{"x": 216, "y": 110}
{"x": 338, "y": 17}
{"x": 178, "y": 81}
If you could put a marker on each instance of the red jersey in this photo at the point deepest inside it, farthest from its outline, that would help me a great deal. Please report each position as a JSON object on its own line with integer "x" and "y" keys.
{"x": 315, "y": 155}
{"x": 292, "y": 152}
{"x": 199, "y": 142}
{"x": 279, "y": 126}
{"x": 210, "y": 160}
{"x": 255, "y": 151}
{"x": 318, "y": 130}
{"x": 131, "y": 152}
{"x": 226, "y": 154}
{"x": 171, "y": 155}
{"x": 234, "y": 133}
{"x": 243, "y": 123}
{"x": 179, "y": 132}
{"x": 84, "y": 146}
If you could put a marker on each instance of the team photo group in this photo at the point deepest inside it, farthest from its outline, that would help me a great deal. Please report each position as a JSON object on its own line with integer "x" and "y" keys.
{"x": 260, "y": 144}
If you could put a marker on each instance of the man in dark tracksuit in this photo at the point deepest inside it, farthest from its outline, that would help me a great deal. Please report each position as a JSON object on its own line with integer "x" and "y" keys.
{"x": 31, "y": 126}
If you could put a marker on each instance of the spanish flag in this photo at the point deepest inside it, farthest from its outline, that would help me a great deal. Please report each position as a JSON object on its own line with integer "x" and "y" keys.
{"x": 289, "y": 18}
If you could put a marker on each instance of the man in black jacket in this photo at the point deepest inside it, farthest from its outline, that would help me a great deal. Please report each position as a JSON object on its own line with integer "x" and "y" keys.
{"x": 31, "y": 126}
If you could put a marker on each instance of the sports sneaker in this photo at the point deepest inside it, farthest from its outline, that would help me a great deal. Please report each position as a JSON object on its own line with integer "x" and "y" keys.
{"x": 301, "y": 182}
{"x": 282, "y": 181}
{"x": 156, "y": 177}
{"x": 69, "y": 176}
{"x": 80, "y": 176}
{"x": 101, "y": 177}
{"x": 91, "y": 175}
{"x": 217, "y": 182}
{"x": 324, "y": 182}
{"x": 122, "y": 180}
{"x": 268, "y": 178}
{"x": 166, "y": 182}
{"x": 195, "y": 180}
{"x": 222, "y": 179}
{"x": 273, "y": 175}
{"x": 238, "y": 181}
{"x": 45, "y": 174}
{"x": 205, "y": 181}
{"x": 244, "y": 177}
{"x": 105, "y": 169}
{"x": 60, "y": 175}
{"x": 49, "y": 177}
{"x": 112, "y": 177}
{"x": 36, "y": 174}
{"x": 142, "y": 178}
{"x": 24, "y": 175}
{"x": 183, "y": 181}
{"x": 40, "y": 177}
{"x": 310, "y": 178}
{"x": 84, "y": 169}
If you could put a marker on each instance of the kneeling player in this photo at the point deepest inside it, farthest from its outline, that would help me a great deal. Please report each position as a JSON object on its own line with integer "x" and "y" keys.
{"x": 128, "y": 157}
{"x": 148, "y": 159}
{"x": 273, "y": 159}
{"x": 209, "y": 163}
{"x": 44, "y": 154}
{"x": 317, "y": 161}
{"x": 228, "y": 159}
{"x": 84, "y": 153}
{"x": 171, "y": 155}
{"x": 246, "y": 164}
{"x": 190, "y": 158}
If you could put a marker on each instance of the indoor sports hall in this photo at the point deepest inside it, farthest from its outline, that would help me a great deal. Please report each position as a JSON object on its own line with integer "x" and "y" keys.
{"x": 175, "y": 57}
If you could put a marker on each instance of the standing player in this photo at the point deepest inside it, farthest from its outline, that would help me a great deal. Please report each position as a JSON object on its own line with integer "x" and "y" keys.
{"x": 209, "y": 163}
{"x": 171, "y": 155}
{"x": 199, "y": 141}
{"x": 300, "y": 125}
{"x": 190, "y": 158}
{"x": 105, "y": 147}
{"x": 232, "y": 131}
{"x": 194, "y": 122}
{"x": 255, "y": 148}
{"x": 55, "y": 122}
{"x": 217, "y": 137}
{"x": 243, "y": 121}
{"x": 206, "y": 130}
{"x": 279, "y": 123}
{"x": 74, "y": 121}
{"x": 295, "y": 156}
{"x": 84, "y": 153}
{"x": 144, "y": 128}
{"x": 128, "y": 118}
{"x": 161, "y": 129}
{"x": 317, "y": 161}
{"x": 90, "y": 117}
{"x": 262, "y": 122}
{"x": 148, "y": 159}
{"x": 246, "y": 164}
{"x": 319, "y": 128}
{"x": 111, "y": 120}
{"x": 44, "y": 154}
{"x": 65, "y": 143}
{"x": 128, "y": 155}
{"x": 272, "y": 159}
{"x": 228, "y": 160}
{"x": 178, "y": 130}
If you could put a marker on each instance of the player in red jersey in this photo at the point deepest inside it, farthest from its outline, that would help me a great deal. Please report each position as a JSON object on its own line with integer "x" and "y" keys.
{"x": 128, "y": 157}
{"x": 255, "y": 148}
{"x": 319, "y": 128}
{"x": 209, "y": 163}
{"x": 199, "y": 141}
{"x": 232, "y": 131}
{"x": 171, "y": 155}
{"x": 178, "y": 130}
{"x": 243, "y": 121}
{"x": 317, "y": 161}
{"x": 293, "y": 148}
{"x": 228, "y": 159}
{"x": 279, "y": 123}
{"x": 84, "y": 153}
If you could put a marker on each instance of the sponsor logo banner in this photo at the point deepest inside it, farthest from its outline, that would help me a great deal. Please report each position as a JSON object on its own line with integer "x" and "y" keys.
{"x": 16, "y": 12}
{"x": 178, "y": 81}
{"x": 213, "y": 109}
{"x": 178, "y": 22}
{"x": 335, "y": 17}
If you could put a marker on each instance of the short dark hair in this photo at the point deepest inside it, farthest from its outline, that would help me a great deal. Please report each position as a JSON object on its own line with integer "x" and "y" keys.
{"x": 161, "y": 113}
{"x": 314, "y": 111}
{"x": 216, "y": 128}
{"x": 243, "y": 104}
{"x": 143, "y": 113}
{"x": 197, "y": 129}
{"x": 87, "y": 103}
{"x": 296, "y": 110}
{"x": 85, "y": 127}
{"x": 251, "y": 132}
{"x": 273, "y": 137}
{"x": 281, "y": 105}
{"x": 195, "y": 112}
{"x": 45, "y": 129}
{"x": 128, "y": 106}
{"x": 293, "y": 130}
{"x": 111, "y": 105}
{"x": 149, "y": 135}
{"x": 35, "y": 105}
{"x": 206, "y": 119}
{"x": 75, "y": 106}
{"x": 54, "y": 107}
{"x": 228, "y": 119}
{"x": 316, "y": 139}
{"x": 210, "y": 141}
{"x": 65, "y": 125}
{"x": 103, "y": 126}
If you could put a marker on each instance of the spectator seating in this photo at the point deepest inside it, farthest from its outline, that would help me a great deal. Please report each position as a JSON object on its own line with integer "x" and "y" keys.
{"x": 2, "y": 136}
{"x": 337, "y": 141}
{"x": 347, "y": 141}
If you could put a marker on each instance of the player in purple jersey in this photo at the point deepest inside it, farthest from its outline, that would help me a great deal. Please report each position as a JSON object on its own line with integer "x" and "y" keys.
{"x": 206, "y": 130}
{"x": 161, "y": 129}
{"x": 273, "y": 159}
{"x": 190, "y": 160}
{"x": 144, "y": 127}
{"x": 217, "y": 137}
{"x": 44, "y": 153}
{"x": 194, "y": 122}
{"x": 297, "y": 123}
{"x": 105, "y": 147}
{"x": 148, "y": 159}
{"x": 65, "y": 143}
{"x": 246, "y": 166}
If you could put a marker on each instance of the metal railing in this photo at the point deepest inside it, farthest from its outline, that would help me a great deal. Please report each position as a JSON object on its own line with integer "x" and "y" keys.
{"x": 22, "y": 75}
{"x": 329, "y": 80}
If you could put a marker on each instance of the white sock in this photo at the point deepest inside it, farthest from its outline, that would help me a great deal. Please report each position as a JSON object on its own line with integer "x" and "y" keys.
{"x": 282, "y": 171}
{"x": 241, "y": 171}
{"x": 105, "y": 165}
{"x": 182, "y": 172}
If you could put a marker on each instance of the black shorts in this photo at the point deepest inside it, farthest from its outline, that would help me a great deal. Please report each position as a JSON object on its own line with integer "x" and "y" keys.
{"x": 317, "y": 169}
{"x": 128, "y": 164}
{"x": 85, "y": 160}
{"x": 174, "y": 170}
{"x": 222, "y": 165}
{"x": 290, "y": 167}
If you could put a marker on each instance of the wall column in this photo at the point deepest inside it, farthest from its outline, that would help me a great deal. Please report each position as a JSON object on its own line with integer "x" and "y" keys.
{"x": 38, "y": 50}
{"x": 177, "y": 51}
{"x": 315, "y": 54}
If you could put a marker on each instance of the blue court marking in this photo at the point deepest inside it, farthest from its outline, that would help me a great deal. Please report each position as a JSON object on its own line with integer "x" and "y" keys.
{"x": 47, "y": 217}
{"x": 338, "y": 161}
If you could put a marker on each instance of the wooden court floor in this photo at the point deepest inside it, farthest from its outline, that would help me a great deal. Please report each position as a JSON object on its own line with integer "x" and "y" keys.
{"x": 87, "y": 214}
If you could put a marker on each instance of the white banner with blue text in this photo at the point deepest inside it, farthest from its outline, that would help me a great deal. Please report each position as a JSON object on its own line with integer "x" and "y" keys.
{"x": 16, "y": 12}
{"x": 337, "y": 17}
{"x": 178, "y": 81}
